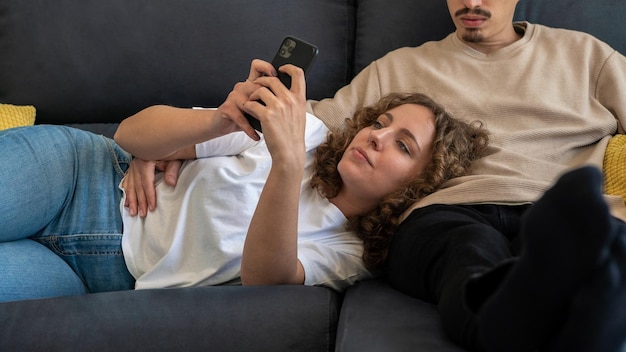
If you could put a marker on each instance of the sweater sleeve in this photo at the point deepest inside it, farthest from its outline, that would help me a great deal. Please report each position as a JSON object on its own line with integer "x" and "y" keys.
{"x": 611, "y": 88}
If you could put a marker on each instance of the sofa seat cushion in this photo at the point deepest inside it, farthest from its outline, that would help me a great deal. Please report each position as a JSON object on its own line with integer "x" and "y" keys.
{"x": 376, "y": 317}
{"x": 227, "y": 318}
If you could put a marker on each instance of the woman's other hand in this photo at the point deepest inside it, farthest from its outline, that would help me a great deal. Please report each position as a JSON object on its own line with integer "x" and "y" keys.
{"x": 139, "y": 183}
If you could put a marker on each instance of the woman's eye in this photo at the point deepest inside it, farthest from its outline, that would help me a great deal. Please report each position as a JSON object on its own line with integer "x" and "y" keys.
{"x": 377, "y": 125}
{"x": 403, "y": 147}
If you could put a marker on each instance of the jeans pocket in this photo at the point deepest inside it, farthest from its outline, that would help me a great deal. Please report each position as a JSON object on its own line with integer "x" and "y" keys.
{"x": 120, "y": 158}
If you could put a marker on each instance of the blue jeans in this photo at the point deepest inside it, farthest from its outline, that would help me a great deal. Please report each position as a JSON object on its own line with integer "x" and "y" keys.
{"x": 60, "y": 213}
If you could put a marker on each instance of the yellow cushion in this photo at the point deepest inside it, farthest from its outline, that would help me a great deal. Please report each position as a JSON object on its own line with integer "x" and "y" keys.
{"x": 16, "y": 115}
{"x": 614, "y": 166}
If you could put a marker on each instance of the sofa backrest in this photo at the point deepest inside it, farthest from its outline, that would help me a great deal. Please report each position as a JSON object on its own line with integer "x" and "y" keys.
{"x": 384, "y": 25}
{"x": 86, "y": 61}
{"x": 601, "y": 18}
{"x": 101, "y": 61}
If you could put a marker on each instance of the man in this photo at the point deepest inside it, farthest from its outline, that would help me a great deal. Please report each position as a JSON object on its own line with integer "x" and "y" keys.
{"x": 515, "y": 260}
{"x": 552, "y": 99}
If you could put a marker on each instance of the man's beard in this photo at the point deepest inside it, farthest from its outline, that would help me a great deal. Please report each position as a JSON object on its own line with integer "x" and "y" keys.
{"x": 472, "y": 36}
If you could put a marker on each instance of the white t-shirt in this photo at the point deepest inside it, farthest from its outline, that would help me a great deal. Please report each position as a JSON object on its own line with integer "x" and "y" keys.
{"x": 195, "y": 235}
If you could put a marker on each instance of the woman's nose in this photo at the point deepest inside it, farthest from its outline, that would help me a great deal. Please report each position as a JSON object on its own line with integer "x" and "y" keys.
{"x": 379, "y": 137}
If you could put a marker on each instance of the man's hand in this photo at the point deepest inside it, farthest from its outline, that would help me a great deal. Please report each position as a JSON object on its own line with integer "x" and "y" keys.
{"x": 139, "y": 183}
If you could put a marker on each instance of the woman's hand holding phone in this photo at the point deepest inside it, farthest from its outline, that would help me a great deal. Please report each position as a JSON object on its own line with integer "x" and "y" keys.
{"x": 274, "y": 225}
{"x": 291, "y": 51}
{"x": 283, "y": 114}
{"x": 232, "y": 108}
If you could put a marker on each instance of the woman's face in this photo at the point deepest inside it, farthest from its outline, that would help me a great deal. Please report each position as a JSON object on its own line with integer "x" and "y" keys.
{"x": 383, "y": 156}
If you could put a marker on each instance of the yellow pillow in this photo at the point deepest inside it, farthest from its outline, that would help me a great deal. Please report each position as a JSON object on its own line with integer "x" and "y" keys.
{"x": 614, "y": 166}
{"x": 16, "y": 115}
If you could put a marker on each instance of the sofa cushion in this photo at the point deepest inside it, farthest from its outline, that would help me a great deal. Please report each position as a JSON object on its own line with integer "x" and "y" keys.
{"x": 224, "y": 318}
{"x": 101, "y": 61}
{"x": 376, "y": 317}
{"x": 614, "y": 166}
{"x": 16, "y": 116}
{"x": 386, "y": 25}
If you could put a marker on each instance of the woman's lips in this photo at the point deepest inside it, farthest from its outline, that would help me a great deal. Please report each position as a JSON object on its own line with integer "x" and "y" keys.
{"x": 362, "y": 154}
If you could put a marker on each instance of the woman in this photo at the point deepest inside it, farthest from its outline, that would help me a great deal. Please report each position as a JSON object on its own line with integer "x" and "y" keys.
{"x": 265, "y": 211}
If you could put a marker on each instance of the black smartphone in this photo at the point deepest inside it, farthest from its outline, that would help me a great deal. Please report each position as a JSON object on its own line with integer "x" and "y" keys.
{"x": 291, "y": 51}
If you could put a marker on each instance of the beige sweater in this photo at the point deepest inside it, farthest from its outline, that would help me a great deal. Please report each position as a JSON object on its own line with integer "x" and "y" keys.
{"x": 551, "y": 102}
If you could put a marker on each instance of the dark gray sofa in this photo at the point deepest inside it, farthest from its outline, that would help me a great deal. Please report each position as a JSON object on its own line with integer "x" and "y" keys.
{"x": 91, "y": 63}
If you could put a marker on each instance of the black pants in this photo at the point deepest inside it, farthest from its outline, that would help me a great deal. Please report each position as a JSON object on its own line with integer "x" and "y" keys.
{"x": 439, "y": 249}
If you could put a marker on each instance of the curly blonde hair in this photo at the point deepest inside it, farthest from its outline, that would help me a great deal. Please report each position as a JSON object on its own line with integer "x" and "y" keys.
{"x": 455, "y": 146}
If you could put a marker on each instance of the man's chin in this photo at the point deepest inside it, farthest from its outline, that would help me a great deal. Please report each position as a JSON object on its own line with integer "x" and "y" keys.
{"x": 472, "y": 36}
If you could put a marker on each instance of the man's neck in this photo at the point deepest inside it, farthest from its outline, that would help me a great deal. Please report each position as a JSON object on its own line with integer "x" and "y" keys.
{"x": 502, "y": 40}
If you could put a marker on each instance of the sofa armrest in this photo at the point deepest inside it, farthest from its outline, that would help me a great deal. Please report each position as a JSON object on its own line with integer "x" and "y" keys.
{"x": 224, "y": 318}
